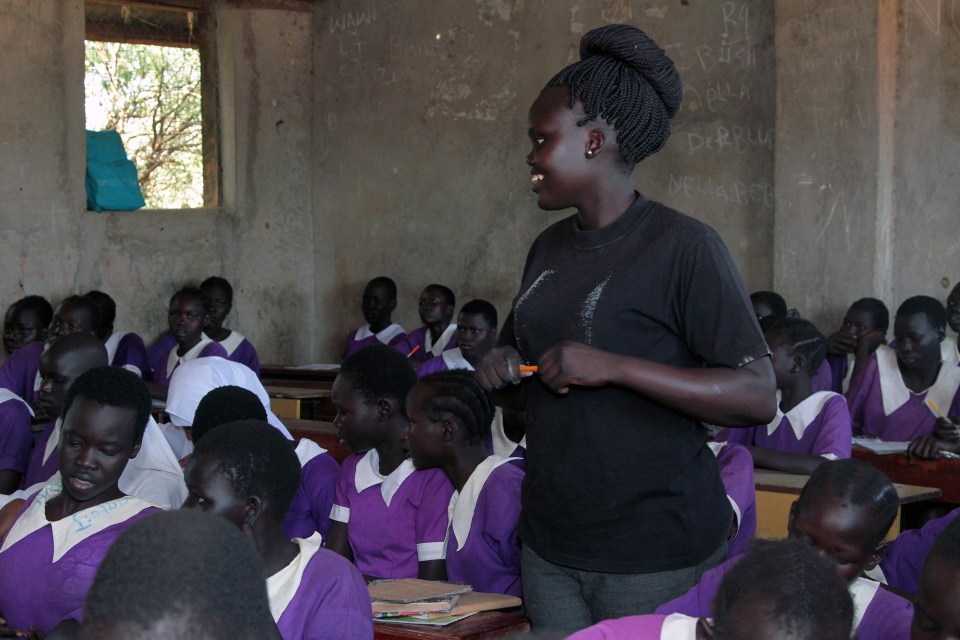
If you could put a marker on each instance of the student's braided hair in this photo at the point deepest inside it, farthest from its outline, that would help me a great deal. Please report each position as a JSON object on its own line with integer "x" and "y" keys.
{"x": 802, "y": 338}
{"x": 458, "y": 393}
{"x": 858, "y": 484}
{"x": 626, "y": 78}
{"x": 877, "y": 310}
{"x": 932, "y": 308}
{"x": 803, "y": 596}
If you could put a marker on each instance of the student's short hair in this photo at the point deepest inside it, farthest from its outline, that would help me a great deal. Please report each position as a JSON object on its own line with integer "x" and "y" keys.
{"x": 191, "y": 292}
{"x": 38, "y": 305}
{"x": 877, "y": 310}
{"x": 379, "y": 371}
{"x": 802, "y": 338}
{"x": 773, "y": 300}
{"x": 858, "y": 484}
{"x": 806, "y": 598}
{"x": 179, "y": 570}
{"x": 256, "y": 459}
{"x": 106, "y": 305}
{"x": 445, "y": 291}
{"x": 224, "y": 405}
{"x": 220, "y": 283}
{"x": 457, "y": 392}
{"x": 932, "y": 308}
{"x": 387, "y": 283}
{"x": 482, "y": 308}
{"x": 85, "y": 303}
{"x": 113, "y": 387}
{"x": 946, "y": 549}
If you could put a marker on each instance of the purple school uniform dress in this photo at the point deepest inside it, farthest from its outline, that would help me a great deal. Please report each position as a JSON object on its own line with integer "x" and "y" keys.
{"x": 239, "y": 349}
{"x": 43, "y": 459}
{"x": 20, "y": 372}
{"x": 881, "y": 405}
{"x": 822, "y": 380}
{"x": 393, "y": 522}
{"x": 203, "y": 349}
{"x": 320, "y": 596}
{"x": 128, "y": 351}
{"x": 901, "y": 564}
{"x": 841, "y": 369}
{"x": 16, "y": 437}
{"x": 878, "y": 614}
{"x": 394, "y": 336}
{"x": 310, "y": 510}
{"x": 483, "y": 549}
{"x": 818, "y": 426}
{"x": 648, "y": 627}
{"x": 421, "y": 337}
{"x": 451, "y": 360}
{"x": 46, "y": 568}
{"x": 736, "y": 471}
{"x": 157, "y": 352}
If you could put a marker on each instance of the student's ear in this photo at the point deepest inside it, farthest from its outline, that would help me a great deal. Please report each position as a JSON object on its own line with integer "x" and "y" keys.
{"x": 799, "y": 363}
{"x": 704, "y": 629}
{"x": 386, "y": 407}
{"x": 447, "y": 430}
{"x": 255, "y": 507}
{"x": 876, "y": 556}
{"x": 393, "y": 304}
{"x": 595, "y": 141}
{"x": 941, "y": 334}
{"x": 135, "y": 450}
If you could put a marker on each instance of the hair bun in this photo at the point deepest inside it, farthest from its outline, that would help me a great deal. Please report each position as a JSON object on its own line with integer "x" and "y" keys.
{"x": 635, "y": 48}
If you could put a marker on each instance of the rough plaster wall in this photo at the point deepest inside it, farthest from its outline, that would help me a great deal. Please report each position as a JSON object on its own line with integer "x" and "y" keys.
{"x": 420, "y": 138}
{"x": 826, "y": 155}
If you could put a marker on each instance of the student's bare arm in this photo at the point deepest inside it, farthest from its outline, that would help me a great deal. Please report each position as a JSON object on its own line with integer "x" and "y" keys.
{"x": 433, "y": 570}
{"x": 785, "y": 461}
{"x": 337, "y": 540}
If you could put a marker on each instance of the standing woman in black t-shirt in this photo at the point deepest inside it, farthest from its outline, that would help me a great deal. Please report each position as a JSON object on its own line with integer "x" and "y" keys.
{"x": 642, "y": 331}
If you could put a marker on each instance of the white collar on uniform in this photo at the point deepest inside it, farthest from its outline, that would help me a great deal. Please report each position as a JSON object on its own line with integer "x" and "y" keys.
{"x": 851, "y": 361}
{"x": 677, "y": 626}
{"x": 52, "y": 441}
{"x": 862, "y": 591}
{"x": 949, "y": 350}
{"x": 68, "y": 532}
{"x": 384, "y": 336}
{"x": 803, "y": 414}
{"x": 895, "y": 393}
{"x": 112, "y": 343}
{"x": 502, "y": 445}
{"x": 173, "y": 359}
{"x": 231, "y": 342}
{"x": 368, "y": 475}
{"x": 6, "y": 395}
{"x": 464, "y": 503}
{"x": 283, "y": 585}
{"x": 442, "y": 341}
{"x": 307, "y": 450}
{"x": 454, "y": 360}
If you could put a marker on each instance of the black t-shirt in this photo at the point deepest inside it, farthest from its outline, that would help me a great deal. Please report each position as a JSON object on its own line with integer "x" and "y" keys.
{"x": 616, "y": 482}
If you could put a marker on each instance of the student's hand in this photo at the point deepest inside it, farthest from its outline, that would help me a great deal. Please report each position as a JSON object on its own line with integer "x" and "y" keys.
{"x": 929, "y": 447}
{"x": 573, "y": 363}
{"x": 947, "y": 430}
{"x": 868, "y": 342}
{"x": 499, "y": 368}
{"x": 841, "y": 343}
{"x": 9, "y": 632}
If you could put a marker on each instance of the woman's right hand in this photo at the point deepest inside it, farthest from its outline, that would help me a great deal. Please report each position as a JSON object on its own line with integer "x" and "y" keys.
{"x": 499, "y": 368}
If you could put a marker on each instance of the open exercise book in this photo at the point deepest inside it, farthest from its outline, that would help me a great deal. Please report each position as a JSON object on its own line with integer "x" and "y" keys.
{"x": 881, "y": 447}
{"x": 415, "y": 601}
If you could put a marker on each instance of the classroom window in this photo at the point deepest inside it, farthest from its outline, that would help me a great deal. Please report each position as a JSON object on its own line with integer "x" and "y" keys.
{"x": 146, "y": 77}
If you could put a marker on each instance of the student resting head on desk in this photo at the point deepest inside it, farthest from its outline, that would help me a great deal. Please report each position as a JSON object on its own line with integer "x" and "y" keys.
{"x": 436, "y": 306}
{"x": 844, "y": 511}
{"x": 378, "y": 304}
{"x": 238, "y": 348}
{"x": 864, "y": 328}
{"x": 26, "y": 321}
{"x": 247, "y": 473}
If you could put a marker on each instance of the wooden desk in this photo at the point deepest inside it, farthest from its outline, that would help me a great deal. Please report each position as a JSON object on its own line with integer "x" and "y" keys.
{"x": 484, "y": 625}
{"x": 941, "y": 473}
{"x": 309, "y": 403}
{"x": 279, "y": 374}
{"x": 776, "y": 492}
{"x": 323, "y": 433}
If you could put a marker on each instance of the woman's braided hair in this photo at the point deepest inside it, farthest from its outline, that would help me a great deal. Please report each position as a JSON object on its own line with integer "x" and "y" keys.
{"x": 458, "y": 393}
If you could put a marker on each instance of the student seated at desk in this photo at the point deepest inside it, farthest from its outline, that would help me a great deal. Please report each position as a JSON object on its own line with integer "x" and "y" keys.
{"x": 188, "y": 312}
{"x": 388, "y": 517}
{"x": 238, "y": 348}
{"x": 937, "y": 603}
{"x": 437, "y": 334}
{"x": 182, "y": 574}
{"x": 864, "y": 329}
{"x": 309, "y": 511}
{"x": 780, "y": 589}
{"x": 124, "y": 349}
{"x": 246, "y": 473}
{"x": 449, "y": 422}
{"x": 770, "y": 307}
{"x": 809, "y": 426}
{"x": 844, "y": 511}
{"x": 26, "y": 321}
{"x": 476, "y": 336}
{"x": 379, "y": 301}
{"x": 61, "y": 533}
{"x": 890, "y": 396}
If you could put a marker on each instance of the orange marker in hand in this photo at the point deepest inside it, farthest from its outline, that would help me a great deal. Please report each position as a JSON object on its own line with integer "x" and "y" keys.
{"x": 528, "y": 368}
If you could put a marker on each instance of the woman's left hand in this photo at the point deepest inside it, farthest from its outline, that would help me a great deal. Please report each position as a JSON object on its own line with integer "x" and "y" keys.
{"x": 574, "y": 363}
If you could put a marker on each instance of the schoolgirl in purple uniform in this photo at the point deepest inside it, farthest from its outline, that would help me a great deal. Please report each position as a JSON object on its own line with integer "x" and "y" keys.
{"x": 16, "y": 439}
{"x": 890, "y": 396}
{"x": 238, "y": 348}
{"x": 188, "y": 312}
{"x": 388, "y": 517}
{"x": 124, "y": 349}
{"x": 49, "y": 556}
{"x": 438, "y": 333}
{"x": 26, "y": 321}
{"x": 810, "y": 426}
{"x": 780, "y": 589}
{"x": 770, "y": 307}
{"x": 379, "y": 301}
{"x": 937, "y": 602}
{"x": 901, "y": 564}
{"x": 736, "y": 471}
{"x": 476, "y": 335}
{"x": 864, "y": 329}
{"x": 247, "y": 473}
{"x": 450, "y": 416}
{"x": 844, "y": 512}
